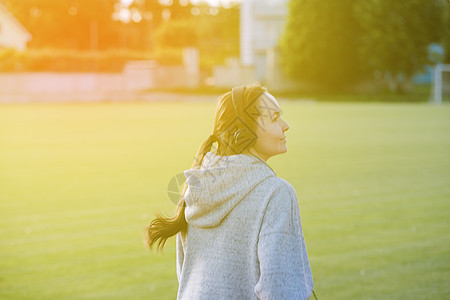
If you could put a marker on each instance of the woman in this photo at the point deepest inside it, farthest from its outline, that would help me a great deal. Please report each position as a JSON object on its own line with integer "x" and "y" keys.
{"x": 237, "y": 225}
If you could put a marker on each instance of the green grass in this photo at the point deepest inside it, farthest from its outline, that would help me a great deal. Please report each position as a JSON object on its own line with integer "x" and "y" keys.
{"x": 79, "y": 182}
{"x": 419, "y": 93}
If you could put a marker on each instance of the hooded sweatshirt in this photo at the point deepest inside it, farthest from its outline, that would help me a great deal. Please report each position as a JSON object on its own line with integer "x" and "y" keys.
{"x": 244, "y": 238}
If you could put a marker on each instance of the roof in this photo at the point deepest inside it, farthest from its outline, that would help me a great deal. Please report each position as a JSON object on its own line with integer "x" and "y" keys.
{"x": 19, "y": 25}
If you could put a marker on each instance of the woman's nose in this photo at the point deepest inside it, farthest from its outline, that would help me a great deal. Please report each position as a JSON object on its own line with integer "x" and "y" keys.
{"x": 286, "y": 126}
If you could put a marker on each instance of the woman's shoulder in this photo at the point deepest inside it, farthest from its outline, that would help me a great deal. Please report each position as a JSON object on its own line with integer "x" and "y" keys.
{"x": 277, "y": 184}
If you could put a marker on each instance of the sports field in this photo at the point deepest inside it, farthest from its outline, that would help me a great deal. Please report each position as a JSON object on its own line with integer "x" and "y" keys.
{"x": 79, "y": 182}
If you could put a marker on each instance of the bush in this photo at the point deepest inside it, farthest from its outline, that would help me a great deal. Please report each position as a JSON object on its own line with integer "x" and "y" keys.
{"x": 62, "y": 60}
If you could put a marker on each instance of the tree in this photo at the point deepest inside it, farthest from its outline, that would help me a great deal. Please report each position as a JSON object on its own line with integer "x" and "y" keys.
{"x": 397, "y": 46}
{"x": 218, "y": 34}
{"x": 150, "y": 15}
{"x": 76, "y": 24}
{"x": 320, "y": 42}
{"x": 214, "y": 31}
{"x": 160, "y": 27}
{"x": 446, "y": 41}
{"x": 338, "y": 43}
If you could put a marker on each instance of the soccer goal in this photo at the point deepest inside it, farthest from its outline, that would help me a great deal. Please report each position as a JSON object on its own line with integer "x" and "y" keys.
{"x": 441, "y": 82}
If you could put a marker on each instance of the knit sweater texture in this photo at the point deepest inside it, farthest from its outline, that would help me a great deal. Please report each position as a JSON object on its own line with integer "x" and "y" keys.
{"x": 244, "y": 237}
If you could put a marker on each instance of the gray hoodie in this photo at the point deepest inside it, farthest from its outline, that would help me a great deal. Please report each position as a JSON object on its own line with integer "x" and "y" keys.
{"x": 244, "y": 238}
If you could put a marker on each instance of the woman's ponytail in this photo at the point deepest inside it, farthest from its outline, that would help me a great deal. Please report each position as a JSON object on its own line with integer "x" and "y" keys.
{"x": 162, "y": 227}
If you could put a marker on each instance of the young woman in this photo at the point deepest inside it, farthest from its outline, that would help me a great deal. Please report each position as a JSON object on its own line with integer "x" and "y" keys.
{"x": 237, "y": 226}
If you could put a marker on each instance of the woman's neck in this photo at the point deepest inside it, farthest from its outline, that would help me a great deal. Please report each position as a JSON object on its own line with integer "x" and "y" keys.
{"x": 252, "y": 152}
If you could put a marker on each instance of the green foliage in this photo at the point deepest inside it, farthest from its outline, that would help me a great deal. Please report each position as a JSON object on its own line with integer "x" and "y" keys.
{"x": 337, "y": 43}
{"x": 320, "y": 43}
{"x": 446, "y": 42}
{"x": 72, "y": 24}
{"x": 168, "y": 55}
{"x": 62, "y": 60}
{"x": 11, "y": 60}
{"x": 216, "y": 36}
{"x": 177, "y": 33}
{"x": 398, "y": 43}
{"x": 142, "y": 34}
{"x": 152, "y": 11}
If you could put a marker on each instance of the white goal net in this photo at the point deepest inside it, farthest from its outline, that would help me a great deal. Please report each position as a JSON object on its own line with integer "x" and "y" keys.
{"x": 441, "y": 83}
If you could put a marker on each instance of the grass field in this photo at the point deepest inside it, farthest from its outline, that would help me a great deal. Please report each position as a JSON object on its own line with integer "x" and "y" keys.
{"x": 79, "y": 182}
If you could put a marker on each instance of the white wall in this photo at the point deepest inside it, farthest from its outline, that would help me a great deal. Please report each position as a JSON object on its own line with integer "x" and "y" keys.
{"x": 136, "y": 77}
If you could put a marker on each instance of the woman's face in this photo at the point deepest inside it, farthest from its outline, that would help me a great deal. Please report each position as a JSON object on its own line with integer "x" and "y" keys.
{"x": 271, "y": 129}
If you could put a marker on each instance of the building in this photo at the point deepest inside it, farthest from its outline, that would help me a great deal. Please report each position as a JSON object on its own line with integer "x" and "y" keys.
{"x": 262, "y": 23}
{"x": 12, "y": 33}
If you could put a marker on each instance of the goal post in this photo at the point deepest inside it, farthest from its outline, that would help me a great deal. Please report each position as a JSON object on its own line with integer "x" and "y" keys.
{"x": 438, "y": 82}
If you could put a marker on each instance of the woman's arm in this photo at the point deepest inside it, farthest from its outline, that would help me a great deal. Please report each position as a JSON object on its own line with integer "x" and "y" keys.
{"x": 284, "y": 264}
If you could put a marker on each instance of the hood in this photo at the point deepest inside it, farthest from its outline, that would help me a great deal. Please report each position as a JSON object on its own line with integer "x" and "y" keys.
{"x": 219, "y": 185}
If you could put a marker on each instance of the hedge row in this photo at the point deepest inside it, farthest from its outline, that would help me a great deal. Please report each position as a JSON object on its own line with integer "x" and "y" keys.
{"x": 61, "y": 60}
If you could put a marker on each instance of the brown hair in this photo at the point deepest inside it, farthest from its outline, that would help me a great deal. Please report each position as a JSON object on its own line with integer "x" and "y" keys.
{"x": 234, "y": 130}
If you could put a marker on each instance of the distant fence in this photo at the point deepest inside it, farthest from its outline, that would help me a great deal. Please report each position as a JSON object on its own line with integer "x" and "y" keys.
{"x": 136, "y": 76}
